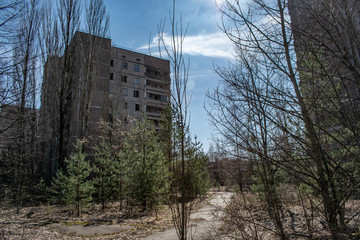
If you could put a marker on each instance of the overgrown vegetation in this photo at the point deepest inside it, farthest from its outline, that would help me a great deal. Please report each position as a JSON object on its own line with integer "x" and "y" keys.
{"x": 286, "y": 110}
{"x": 74, "y": 187}
{"x": 135, "y": 163}
{"x": 289, "y": 105}
{"x": 136, "y": 175}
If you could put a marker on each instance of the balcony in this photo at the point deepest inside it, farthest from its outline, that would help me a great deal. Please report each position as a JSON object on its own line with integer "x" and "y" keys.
{"x": 157, "y": 86}
{"x": 157, "y": 98}
{"x": 153, "y": 111}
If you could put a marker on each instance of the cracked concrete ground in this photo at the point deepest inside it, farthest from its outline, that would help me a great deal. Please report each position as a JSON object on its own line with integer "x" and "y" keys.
{"x": 204, "y": 222}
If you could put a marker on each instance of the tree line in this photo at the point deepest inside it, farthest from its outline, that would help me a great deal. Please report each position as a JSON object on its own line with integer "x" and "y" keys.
{"x": 133, "y": 171}
{"x": 33, "y": 33}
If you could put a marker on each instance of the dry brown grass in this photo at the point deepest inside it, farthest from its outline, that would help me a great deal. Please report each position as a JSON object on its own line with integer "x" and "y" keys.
{"x": 41, "y": 222}
{"x": 246, "y": 218}
{"x": 49, "y": 222}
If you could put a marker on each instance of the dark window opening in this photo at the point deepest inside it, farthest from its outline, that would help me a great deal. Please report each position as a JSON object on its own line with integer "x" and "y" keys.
{"x": 111, "y": 117}
{"x": 157, "y": 97}
{"x": 136, "y": 94}
{"x": 123, "y": 78}
{"x": 111, "y": 62}
{"x": 111, "y": 76}
{"x": 137, "y": 107}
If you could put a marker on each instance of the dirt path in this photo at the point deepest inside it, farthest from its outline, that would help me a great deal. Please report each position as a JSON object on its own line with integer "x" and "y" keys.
{"x": 204, "y": 222}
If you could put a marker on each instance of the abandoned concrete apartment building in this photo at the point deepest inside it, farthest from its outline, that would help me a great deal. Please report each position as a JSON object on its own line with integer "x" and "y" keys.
{"x": 125, "y": 85}
{"x": 329, "y": 31}
{"x": 326, "y": 40}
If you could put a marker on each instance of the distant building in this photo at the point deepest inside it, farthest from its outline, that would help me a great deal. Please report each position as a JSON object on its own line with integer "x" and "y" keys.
{"x": 120, "y": 83}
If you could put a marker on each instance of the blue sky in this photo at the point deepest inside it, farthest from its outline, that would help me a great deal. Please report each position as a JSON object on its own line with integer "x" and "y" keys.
{"x": 133, "y": 22}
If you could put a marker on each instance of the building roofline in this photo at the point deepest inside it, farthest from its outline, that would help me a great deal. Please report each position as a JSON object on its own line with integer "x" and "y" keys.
{"x": 138, "y": 51}
{"x": 124, "y": 48}
{"x": 86, "y": 32}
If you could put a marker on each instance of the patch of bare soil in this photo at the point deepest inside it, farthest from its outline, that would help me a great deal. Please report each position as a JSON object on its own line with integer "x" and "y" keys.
{"x": 58, "y": 222}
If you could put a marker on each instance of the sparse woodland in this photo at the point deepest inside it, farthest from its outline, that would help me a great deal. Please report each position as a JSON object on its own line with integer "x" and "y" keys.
{"x": 289, "y": 104}
{"x": 286, "y": 114}
{"x": 132, "y": 163}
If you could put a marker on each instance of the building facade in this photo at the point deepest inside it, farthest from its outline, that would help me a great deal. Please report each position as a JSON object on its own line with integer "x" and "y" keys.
{"x": 138, "y": 84}
{"x": 328, "y": 30}
{"x": 326, "y": 40}
{"x": 121, "y": 83}
{"x": 95, "y": 81}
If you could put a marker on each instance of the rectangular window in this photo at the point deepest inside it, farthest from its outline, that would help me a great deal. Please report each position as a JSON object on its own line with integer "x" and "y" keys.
{"x": 164, "y": 98}
{"x": 137, "y": 107}
{"x": 125, "y": 65}
{"x": 125, "y": 105}
{"x": 123, "y": 78}
{"x": 111, "y": 89}
{"x": 137, "y": 68}
{"x": 137, "y": 81}
{"x": 136, "y": 94}
{"x": 124, "y": 92}
{"x": 111, "y": 76}
{"x": 111, "y": 62}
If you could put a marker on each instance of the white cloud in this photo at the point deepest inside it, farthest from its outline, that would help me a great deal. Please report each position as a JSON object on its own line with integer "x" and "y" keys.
{"x": 219, "y": 2}
{"x": 190, "y": 84}
{"x": 203, "y": 44}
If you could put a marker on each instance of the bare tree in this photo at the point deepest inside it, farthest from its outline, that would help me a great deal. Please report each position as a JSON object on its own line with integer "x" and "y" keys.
{"x": 57, "y": 30}
{"x": 10, "y": 11}
{"x": 180, "y": 205}
{"x": 49, "y": 39}
{"x": 69, "y": 15}
{"x": 97, "y": 22}
{"x": 9, "y": 20}
{"x": 262, "y": 109}
{"x": 241, "y": 117}
{"x": 21, "y": 134}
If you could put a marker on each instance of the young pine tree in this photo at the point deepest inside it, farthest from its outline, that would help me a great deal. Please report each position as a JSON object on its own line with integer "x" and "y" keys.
{"x": 149, "y": 175}
{"x": 74, "y": 186}
{"x": 197, "y": 169}
{"x": 105, "y": 173}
